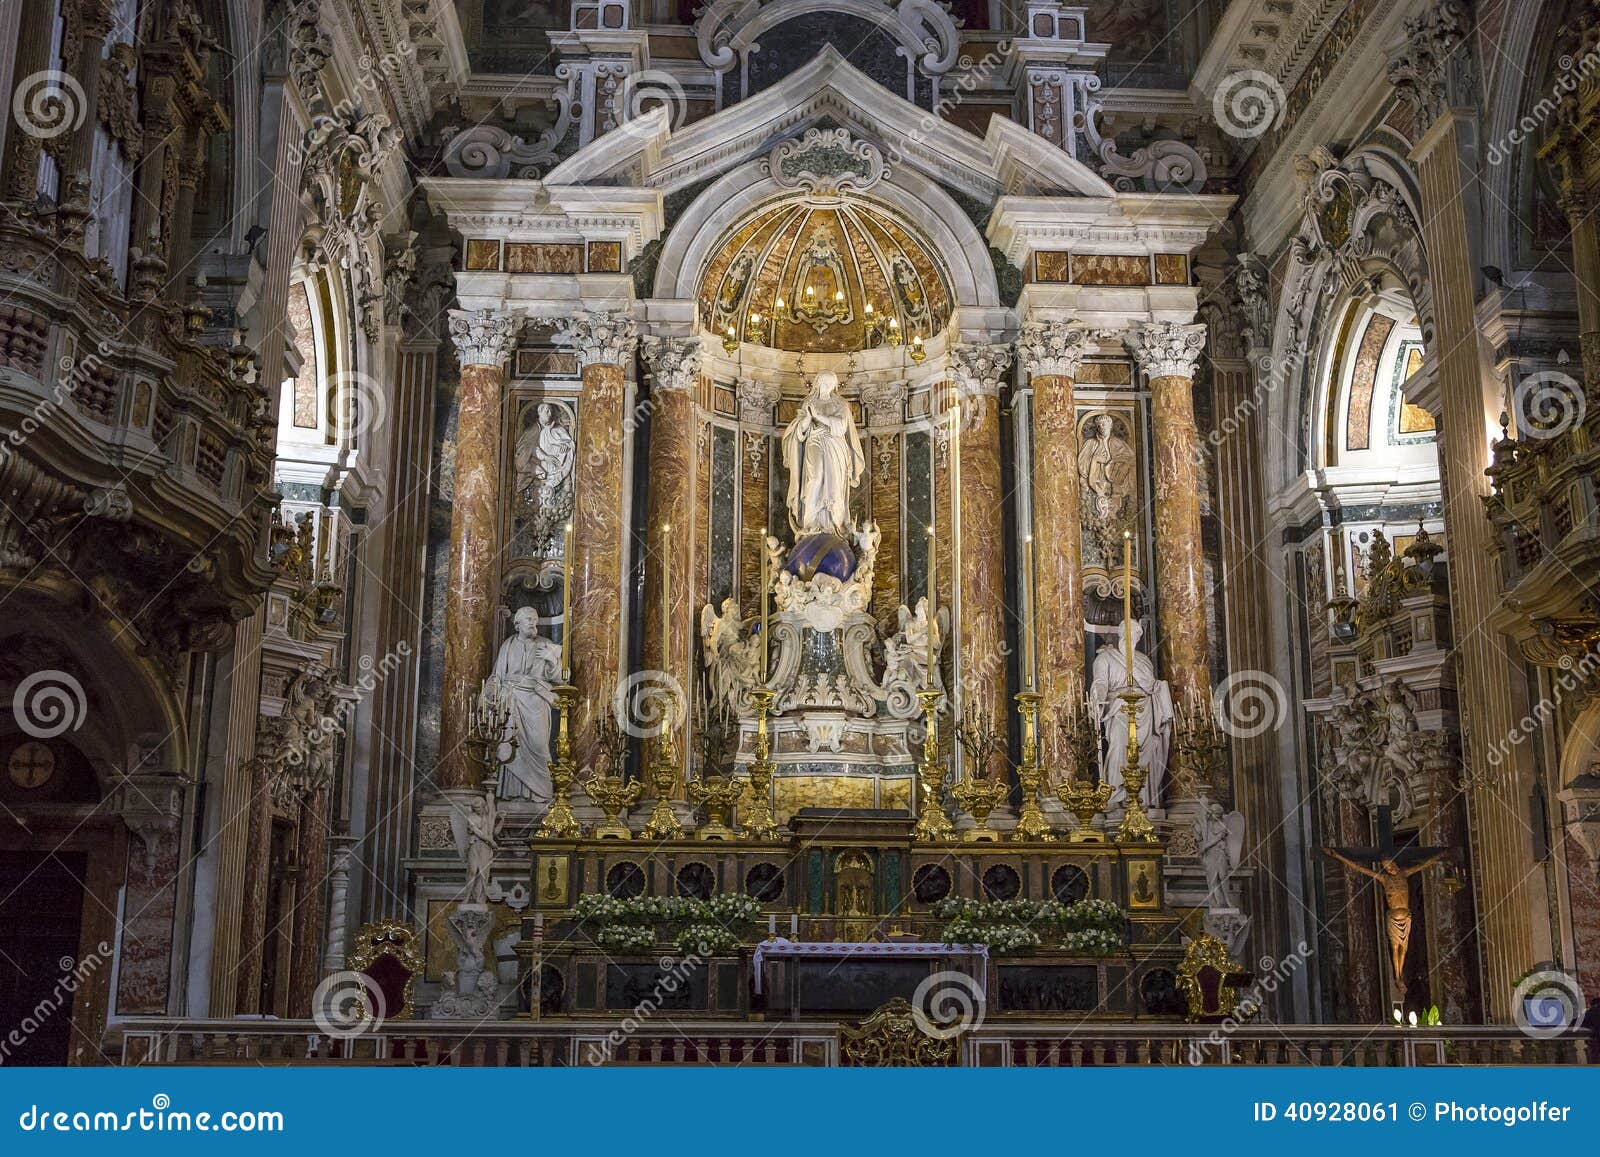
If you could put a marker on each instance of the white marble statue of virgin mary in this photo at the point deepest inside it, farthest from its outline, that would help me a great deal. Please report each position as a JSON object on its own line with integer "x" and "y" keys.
{"x": 822, "y": 452}
{"x": 526, "y": 672}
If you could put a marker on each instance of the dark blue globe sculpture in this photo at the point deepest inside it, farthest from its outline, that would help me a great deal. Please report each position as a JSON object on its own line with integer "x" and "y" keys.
{"x": 818, "y": 554}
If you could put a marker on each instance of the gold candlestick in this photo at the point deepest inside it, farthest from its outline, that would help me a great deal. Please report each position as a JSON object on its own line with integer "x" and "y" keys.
{"x": 566, "y": 608}
{"x": 758, "y": 820}
{"x": 933, "y": 605}
{"x": 613, "y": 794}
{"x": 766, "y": 586}
{"x": 1136, "y": 827}
{"x": 933, "y": 825}
{"x": 559, "y": 822}
{"x": 1031, "y": 824}
{"x": 663, "y": 823}
{"x": 1029, "y": 675}
{"x": 717, "y": 794}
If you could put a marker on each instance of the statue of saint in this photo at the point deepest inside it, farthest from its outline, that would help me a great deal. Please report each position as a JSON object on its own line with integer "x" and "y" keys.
{"x": 1110, "y": 680}
{"x": 476, "y": 824}
{"x": 822, "y": 451}
{"x": 1106, "y": 465}
{"x": 544, "y": 456}
{"x": 526, "y": 671}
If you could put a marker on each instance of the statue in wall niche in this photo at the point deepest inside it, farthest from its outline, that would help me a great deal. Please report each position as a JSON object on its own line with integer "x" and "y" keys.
{"x": 1106, "y": 466}
{"x": 527, "y": 671}
{"x": 1399, "y": 739}
{"x": 1109, "y": 680}
{"x": 822, "y": 452}
{"x": 543, "y": 465}
{"x": 1220, "y": 840}
{"x": 733, "y": 656}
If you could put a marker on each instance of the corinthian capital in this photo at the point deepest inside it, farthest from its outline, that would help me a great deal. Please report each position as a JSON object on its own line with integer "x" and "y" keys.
{"x": 675, "y": 361}
{"x": 1165, "y": 349}
{"x": 1051, "y": 349}
{"x": 884, "y": 402}
{"x": 598, "y": 337}
{"x": 484, "y": 337}
{"x": 1433, "y": 69}
{"x": 979, "y": 368}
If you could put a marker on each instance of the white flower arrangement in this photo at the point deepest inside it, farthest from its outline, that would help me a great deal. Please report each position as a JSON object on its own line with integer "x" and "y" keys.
{"x": 1084, "y": 928}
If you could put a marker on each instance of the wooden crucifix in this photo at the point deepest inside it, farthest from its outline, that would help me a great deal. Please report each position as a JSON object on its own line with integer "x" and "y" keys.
{"x": 1393, "y": 871}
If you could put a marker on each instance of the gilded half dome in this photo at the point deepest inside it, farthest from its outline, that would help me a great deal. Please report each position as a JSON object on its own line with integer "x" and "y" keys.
{"x": 830, "y": 278}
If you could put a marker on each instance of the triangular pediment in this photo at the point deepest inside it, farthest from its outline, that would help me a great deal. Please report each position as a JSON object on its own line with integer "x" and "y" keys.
{"x": 830, "y": 91}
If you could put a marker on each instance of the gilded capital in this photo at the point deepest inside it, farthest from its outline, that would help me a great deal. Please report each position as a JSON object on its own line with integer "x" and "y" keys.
{"x": 756, "y": 400}
{"x": 675, "y": 361}
{"x": 884, "y": 402}
{"x": 1166, "y": 349}
{"x": 599, "y": 337}
{"x": 1051, "y": 349}
{"x": 484, "y": 337}
{"x": 979, "y": 368}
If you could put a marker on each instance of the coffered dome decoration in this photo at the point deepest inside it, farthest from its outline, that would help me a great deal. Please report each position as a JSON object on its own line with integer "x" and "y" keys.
{"x": 830, "y": 278}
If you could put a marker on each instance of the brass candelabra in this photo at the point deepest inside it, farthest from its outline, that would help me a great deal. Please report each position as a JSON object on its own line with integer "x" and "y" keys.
{"x": 1199, "y": 747}
{"x": 613, "y": 794}
{"x": 559, "y": 822}
{"x": 1031, "y": 824}
{"x": 717, "y": 794}
{"x": 1081, "y": 793}
{"x": 491, "y": 739}
{"x": 979, "y": 791}
{"x": 933, "y": 824}
{"x": 758, "y": 820}
{"x": 663, "y": 823}
{"x": 1136, "y": 827}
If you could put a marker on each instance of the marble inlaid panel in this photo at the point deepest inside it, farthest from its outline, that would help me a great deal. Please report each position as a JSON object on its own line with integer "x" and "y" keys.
{"x": 1180, "y": 553}
{"x": 883, "y": 467}
{"x": 472, "y": 596}
{"x": 605, "y": 257}
{"x": 1105, "y": 374}
{"x": 755, "y": 454}
{"x": 1110, "y": 269}
{"x": 528, "y": 257}
{"x": 150, "y": 903}
{"x": 1172, "y": 269}
{"x": 724, "y": 512}
{"x": 546, "y": 364}
{"x": 482, "y": 255}
{"x": 919, "y": 513}
{"x": 1051, "y": 265}
{"x": 1363, "y": 380}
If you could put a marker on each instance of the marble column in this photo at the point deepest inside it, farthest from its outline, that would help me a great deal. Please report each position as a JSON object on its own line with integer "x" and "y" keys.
{"x": 757, "y": 401}
{"x": 978, "y": 371}
{"x": 1428, "y": 74}
{"x": 675, "y": 370}
{"x": 484, "y": 341}
{"x": 604, "y": 343}
{"x": 308, "y": 926}
{"x": 1050, "y": 353}
{"x": 884, "y": 405}
{"x": 1167, "y": 353}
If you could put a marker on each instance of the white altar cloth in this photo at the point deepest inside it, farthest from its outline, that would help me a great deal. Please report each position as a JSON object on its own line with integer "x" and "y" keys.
{"x": 846, "y": 949}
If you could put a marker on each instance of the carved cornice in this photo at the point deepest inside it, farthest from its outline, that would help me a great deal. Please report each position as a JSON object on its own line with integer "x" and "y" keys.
{"x": 1052, "y": 349}
{"x": 980, "y": 368}
{"x": 674, "y": 362}
{"x": 1166, "y": 349}
{"x": 599, "y": 337}
{"x": 485, "y": 337}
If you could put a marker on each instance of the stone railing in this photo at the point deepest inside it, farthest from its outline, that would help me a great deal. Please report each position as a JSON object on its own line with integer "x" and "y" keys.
{"x": 817, "y": 1043}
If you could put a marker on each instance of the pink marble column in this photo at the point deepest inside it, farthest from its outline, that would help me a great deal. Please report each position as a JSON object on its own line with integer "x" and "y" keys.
{"x": 1050, "y": 353}
{"x": 979, "y": 371}
{"x": 675, "y": 369}
{"x": 1167, "y": 353}
{"x": 604, "y": 343}
{"x": 484, "y": 341}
